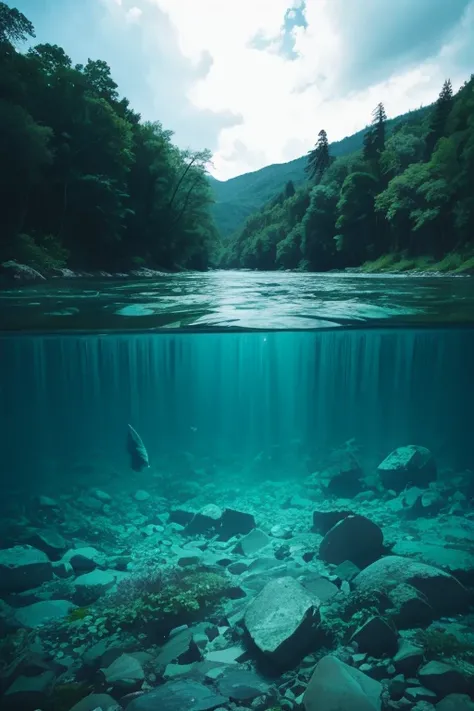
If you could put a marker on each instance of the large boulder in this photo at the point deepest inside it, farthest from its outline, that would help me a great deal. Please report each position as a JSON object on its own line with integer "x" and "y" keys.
{"x": 353, "y": 538}
{"x": 444, "y": 593}
{"x": 411, "y": 465}
{"x": 23, "y": 568}
{"x": 279, "y": 620}
{"x": 335, "y": 686}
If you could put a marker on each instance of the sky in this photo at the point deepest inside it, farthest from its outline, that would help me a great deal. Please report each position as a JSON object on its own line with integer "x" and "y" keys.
{"x": 255, "y": 80}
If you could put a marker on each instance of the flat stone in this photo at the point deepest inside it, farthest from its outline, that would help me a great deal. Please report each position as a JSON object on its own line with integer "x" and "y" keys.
{"x": 354, "y": 538}
{"x": 419, "y": 693}
{"x": 443, "y": 592}
{"x": 376, "y": 637}
{"x": 411, "y": 464}
{"x": 335, "y": 686}
{"x": 23, "y": 568}
{"x": 279, "y": 620}
{"x": 231, "y": 655}
{"x": 124, "y": 673}
{"x": 179, "y": 648}
{"x": 241, "y": 685}
{"x": 347, "y": 570}
{"x": 43, "y": 612}
{"x": 179, "y": 696}
{"x": 252, "y": 543}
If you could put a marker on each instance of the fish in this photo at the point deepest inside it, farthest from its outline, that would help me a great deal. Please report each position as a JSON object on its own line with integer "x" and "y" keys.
{"x": 137, "y": 451}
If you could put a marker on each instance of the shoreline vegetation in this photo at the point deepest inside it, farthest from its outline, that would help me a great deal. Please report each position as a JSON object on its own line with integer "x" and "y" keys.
{"x": 88, "y": 187}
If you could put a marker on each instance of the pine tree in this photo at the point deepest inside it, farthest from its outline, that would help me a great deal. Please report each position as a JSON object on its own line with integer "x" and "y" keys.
{"x": 374, "y": 139}
{"x": 319, "y": 159}
{"x": 439, "y": 118}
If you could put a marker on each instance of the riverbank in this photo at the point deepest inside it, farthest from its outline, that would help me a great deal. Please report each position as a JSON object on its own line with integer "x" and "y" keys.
{"x": 12, "y": 273}
{"x": 453, "y": 263}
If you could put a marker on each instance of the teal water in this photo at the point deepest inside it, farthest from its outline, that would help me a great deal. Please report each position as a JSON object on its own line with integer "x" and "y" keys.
{"x": 66, "y": 399}
{"x": 307, "y": 513}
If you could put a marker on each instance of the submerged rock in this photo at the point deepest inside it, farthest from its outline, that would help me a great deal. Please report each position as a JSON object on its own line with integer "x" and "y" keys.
{"x": 241, "y": 685}
{"x": 97, "y": 701}
{"x": 324, "y": 520}
{"x": 408, "y": 658}
{"x": 234, "y": 522}
{"x": 444, "y": 593}
{"x": 205, "y": 521}
{"x": 252, "y": 543}
{"x": 443, "y": 678}
{"x": 124, "y": 673}
{"x": 279, "y": 620}
{"x": 354, "y": 538}
{"x": 456, "y": 702}
{"x": 410, "y": 608}
{"x": 28, "y": 692}
{"x": 411, "y": 465}
{"x": 84, "y": 559}
{"x": 376, "y": 637}
{"x": 179, "y": 696}
{"x": 43, "y": 612}
{"x": 23, "y": 568}
{"x": 335, "y": 686}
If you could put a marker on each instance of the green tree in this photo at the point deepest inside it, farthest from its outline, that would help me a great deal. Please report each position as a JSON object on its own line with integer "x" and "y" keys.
{"x": 319, "y": 158}
{"x": 374, "y": 139}
{"x": 439, "y": 117}
{"x": 14, "y": 26}
{"x": 356, "y": 224}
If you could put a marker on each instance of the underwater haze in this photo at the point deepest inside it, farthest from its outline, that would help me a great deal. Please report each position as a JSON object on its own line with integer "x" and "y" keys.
{"x": 288, "y": 524}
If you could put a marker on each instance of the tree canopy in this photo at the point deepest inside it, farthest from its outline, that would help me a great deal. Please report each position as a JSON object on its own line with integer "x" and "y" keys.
{"x": 409, "y": 191}
{"x": 84, "y": 181}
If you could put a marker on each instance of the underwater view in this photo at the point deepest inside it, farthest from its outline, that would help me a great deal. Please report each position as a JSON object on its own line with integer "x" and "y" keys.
{"x": 236, "y": 355}
{"x": 266, "y": 519}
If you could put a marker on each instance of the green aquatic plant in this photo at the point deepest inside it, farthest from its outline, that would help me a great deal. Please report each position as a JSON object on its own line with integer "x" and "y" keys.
{"x": 441, "y": 644}
{"x": 78, "y": 614}
{"x": 179, "y": 600}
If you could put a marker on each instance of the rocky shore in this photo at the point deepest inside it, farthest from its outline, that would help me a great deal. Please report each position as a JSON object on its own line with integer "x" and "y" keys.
{"x": 12, "y": 273}
{"x": 350, "y": 590}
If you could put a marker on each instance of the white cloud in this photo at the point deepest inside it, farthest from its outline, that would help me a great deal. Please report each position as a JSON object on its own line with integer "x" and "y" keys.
{"x": 344, "y": 66}
{"x": 134, "y": 14}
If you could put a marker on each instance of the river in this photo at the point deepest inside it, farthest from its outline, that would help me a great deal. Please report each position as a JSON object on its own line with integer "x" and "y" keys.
{"x": 238, "y": 300}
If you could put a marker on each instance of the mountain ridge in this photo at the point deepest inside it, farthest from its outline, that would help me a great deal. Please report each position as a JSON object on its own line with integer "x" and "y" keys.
{"x": 237, "y": 198}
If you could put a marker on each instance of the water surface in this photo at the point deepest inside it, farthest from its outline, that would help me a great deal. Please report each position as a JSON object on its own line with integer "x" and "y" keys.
{"x": 241, "y": 300}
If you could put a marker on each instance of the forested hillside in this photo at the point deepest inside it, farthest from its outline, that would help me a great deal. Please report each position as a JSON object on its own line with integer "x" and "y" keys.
{"x": 83, "y": 181}
{"x": 408, "y": 192}
{"x": 239, "y": 197}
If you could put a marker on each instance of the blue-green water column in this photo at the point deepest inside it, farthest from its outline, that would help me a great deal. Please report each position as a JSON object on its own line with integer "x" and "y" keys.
{"x": 67, "y": 399}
